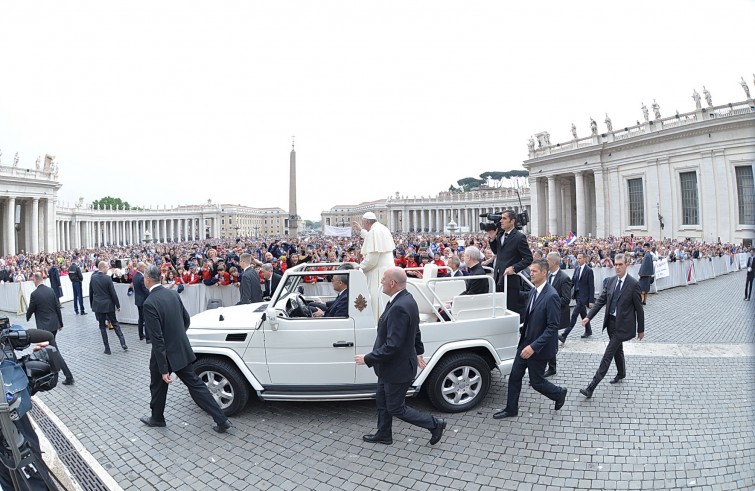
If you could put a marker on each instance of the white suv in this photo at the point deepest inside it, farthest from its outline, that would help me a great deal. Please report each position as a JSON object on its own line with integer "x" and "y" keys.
{"x": 279, "y": 351}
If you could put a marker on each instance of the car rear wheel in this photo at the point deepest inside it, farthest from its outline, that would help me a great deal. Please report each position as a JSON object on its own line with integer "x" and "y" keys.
{"x": 227, "y": 386}
{"x": 459, "y": 382}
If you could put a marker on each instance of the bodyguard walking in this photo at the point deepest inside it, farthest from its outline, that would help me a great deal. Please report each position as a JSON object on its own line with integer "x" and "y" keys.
{"x": 750, "y": 274}
{"x": 166, "y": 321}
{"x": 104, "y": 302}
{"x": 140, "y": 295}
{"x": 583, "y": 281}
{"x": 624, "y": 319}
{"x": 77, "y": 279}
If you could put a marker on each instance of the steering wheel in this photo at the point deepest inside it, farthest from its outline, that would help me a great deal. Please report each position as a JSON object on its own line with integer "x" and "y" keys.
{"x": 297, "y": 307}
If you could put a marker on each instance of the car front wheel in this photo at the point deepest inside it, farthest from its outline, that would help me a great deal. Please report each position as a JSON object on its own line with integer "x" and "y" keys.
{"x": 459, "y": 382}
{"x": 227, "y": 386}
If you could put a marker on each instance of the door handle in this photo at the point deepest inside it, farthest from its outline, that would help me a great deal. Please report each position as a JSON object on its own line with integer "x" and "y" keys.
{"x": 343, "y": 344}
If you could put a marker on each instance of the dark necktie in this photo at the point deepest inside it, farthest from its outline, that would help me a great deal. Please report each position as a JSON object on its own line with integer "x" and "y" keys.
{"x": 503, "y": 239}
{"x": 551, "y": 276}
{"x": 527, "y": 319}
{"x": 576, "y": 279}
{"x": 615, "y": 298}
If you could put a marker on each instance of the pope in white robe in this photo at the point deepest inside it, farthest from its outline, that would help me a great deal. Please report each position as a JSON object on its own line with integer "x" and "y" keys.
{"x": 377, "y": 253}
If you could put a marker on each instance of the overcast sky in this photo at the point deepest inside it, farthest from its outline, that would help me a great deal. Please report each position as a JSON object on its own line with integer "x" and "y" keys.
{"x": 179, "y": 102}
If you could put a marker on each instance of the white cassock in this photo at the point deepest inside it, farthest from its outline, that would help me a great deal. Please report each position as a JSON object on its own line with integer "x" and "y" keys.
{"x": 377, "y": 251}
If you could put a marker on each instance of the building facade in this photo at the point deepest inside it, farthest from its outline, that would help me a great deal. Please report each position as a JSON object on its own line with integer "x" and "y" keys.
{"x": 243, "y": 221}
{"x": 431, "y": 214}
{"x": 685, "y": 176}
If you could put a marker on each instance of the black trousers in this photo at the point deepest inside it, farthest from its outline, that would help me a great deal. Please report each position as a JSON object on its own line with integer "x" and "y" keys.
{"x": 391, "y": 402}
{"x": 197, "y": 389}
{"x": 536, "y": 369}
{"x": 78, "y": 297}
{"x": 37, "y": 481}
{"x": 748, "y": 285}
{"x": 580, "y": 310}
{"x": 513, "y": 288}
{"x": 102, "y": 318}
{"x": 64, "y": 365}
{"x": 614, "y": 352}
{"x": 140, "y": 323}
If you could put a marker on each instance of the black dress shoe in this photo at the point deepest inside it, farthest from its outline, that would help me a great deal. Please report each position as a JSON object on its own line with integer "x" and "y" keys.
{"x": 562, "y": 338}
{"x": 437, "y": 432}
{"x": 586, "y": 335}
{"x": 68, "y": 381}
{"x": 505, "y": 414}
{"x": 616, "y": 379}
{"x": 560, "y": 402}
{"x": 141, "y": 338}
{"x": 107, "y": 352}
{"x": 377, "y": 439}
{"x": 550, "y": 372}
{"x": 222, "y": 427}
{"x": 149, "y": 341}
{"x": 83, "y": 313}
{"x": 587, "y": 392}
{"x": 152, "y": 422}
{"x": 125, "y": 348}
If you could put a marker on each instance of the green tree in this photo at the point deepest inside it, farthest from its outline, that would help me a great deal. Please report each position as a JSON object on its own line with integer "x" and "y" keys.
{"x": 109, "y": 201}
{"x": 469, "y": 183}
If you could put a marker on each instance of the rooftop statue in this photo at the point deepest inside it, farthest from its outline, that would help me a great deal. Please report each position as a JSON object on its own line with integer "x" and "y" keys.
{"x": 745, "y": 87}
{"x": 15, "y": 160}
{"x": 574, "y": 131}
{"x": 696, "y": 97}
{"x": 593, "y": 127}
{"x": 609, "y": 124}
{"x": 645, "y": 112}
{"x": 530, "y": 147}
{"x": 708, "y": 98}
{"x": 656, "y": 110}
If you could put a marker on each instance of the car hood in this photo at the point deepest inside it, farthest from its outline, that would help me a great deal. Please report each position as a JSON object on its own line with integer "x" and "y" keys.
{"x": 235, "y": 317}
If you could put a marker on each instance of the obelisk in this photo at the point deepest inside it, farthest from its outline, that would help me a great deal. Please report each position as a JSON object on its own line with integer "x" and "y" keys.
{"x": 293, "y": 216}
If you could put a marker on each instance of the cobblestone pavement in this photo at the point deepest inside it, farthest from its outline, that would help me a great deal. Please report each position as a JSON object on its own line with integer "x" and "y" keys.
{"x": 676, "y": 422}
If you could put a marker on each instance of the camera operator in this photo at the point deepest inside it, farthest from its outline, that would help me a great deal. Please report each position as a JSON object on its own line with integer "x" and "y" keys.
{"x": 512, "y": 255}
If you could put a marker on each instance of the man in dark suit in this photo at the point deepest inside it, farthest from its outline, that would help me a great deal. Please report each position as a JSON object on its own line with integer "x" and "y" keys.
{"x": 561, "y": 282}
{"x": 512, "y": 256}
{"x": 395, "y": 357}
{"x": 472, "y": 258}
{"x": 140, "y": 295}
{"x": 624, "y": 319}
{"x": 250, "y": 281}
{"x": 537, "y": 343}
{"x": 167, "y": 320}
{"x": 45, "y": 307}
{"x": 584, "y": 293}
{"x": 104, "y": 302}
{"x": 270, "y": 279}
{"x": 339, "y": 307}
{"x": 54, "y": 275}
{"x": 454, "y": 263}
{"x": 77, "y": 279}
{"x": 750, "y": 274}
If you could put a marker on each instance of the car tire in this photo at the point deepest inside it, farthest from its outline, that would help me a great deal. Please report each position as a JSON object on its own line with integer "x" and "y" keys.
{"x": 227, "y": 386}
{"x": 459, "y": 382}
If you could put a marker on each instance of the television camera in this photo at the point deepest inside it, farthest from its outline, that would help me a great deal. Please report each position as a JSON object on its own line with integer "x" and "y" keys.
{"x": 494, "y": 219}
{"x": 21, "y": 377}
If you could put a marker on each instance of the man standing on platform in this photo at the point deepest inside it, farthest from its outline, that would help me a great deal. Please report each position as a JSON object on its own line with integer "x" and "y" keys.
{"x": 537, "y": 343}
{"x": 584, "y": 293}
{"x": 624, "y": 318}
{"x": 104, "y": 302}
{"x": 512, "y": 256}
{"x": 251, "y": 291}
{"x": 377, "y": 251}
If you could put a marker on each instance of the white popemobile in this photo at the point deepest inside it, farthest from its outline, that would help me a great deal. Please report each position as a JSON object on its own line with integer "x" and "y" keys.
{"x": 278, "y": 350}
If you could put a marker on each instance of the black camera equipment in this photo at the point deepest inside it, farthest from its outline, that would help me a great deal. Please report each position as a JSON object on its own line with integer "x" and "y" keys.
{"x": 494, "y": 219}
{"x": 21, "y": 378}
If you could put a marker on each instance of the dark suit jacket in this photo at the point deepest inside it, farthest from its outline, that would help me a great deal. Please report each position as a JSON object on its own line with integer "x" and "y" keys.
{"x": 45, "y": 306}
{"x": 54, "y": 276}
{"x": 514, "y": 252}
{"x": 398, "y": 341}
{"x": 584, "y": 288}
{"x": 457, "y": 273}
{"x": 102, "y": 297}
{"x": 476, "y": 287}
{"x": 630, "y": 318}
{"x": 340, "y": 306}
{"x": 140, "y": 290}
{"x": 540, "y": 328}
{"x": 166, "y": 321}
{"x": 251, "y": 292}
{"x": 751, "y": 264}
{"x": 275, "y": 279}
{"x": 562, "y": 285}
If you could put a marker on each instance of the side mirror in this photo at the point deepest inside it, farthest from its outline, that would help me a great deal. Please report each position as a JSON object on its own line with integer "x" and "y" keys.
{"x": 272, "y": 318}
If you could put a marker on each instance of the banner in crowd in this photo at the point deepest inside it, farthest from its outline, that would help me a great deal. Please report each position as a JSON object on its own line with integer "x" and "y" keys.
{"x": 661, "y": 268}
{"x": 742, "y": 261}
{"x": 338, "y": 231}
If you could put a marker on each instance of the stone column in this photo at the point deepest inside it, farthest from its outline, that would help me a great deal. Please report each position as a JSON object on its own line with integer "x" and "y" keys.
{"x": 615, "y": 200}
{"x": 10, "y": 230}
{"x": 552, "y": 207}
{"x": 579, "y": 178}
{"x": 35, "y": 226}
{"x": 600, "y": 204}
{"x": 535, "y": 225}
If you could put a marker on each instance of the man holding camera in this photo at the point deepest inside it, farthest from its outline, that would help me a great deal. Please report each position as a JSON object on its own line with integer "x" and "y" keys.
{"x": 512, "y": 255}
